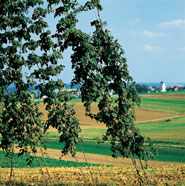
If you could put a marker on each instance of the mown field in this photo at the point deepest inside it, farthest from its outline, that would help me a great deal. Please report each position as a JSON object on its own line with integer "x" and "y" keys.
{"x": 161, "y": 117}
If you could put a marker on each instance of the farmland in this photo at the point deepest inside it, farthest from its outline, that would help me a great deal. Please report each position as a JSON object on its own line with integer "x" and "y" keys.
{"x": 161, "y": 117}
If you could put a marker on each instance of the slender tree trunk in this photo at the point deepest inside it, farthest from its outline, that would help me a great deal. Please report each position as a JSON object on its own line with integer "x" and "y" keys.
{"x": 11, "y": 163}
{"x": 46, "y": 165}
{"x": 42, "y": 172}
{"x": 90, "y": 171}
{"x": 140, "y": 180}
{"x": 85, "y": 180}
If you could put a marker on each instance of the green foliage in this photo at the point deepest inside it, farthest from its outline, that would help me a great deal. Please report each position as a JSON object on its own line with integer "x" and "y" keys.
{"x": 142, "y": 88}
{"x": 98, "y": 64}
{"x": 19, "y": 123}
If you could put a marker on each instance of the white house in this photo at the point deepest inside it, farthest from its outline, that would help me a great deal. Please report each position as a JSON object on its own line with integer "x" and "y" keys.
{"x": 162, "y": 86}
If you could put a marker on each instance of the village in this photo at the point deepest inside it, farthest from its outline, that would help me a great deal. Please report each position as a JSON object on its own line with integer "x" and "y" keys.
{"x": 141, "y": 88}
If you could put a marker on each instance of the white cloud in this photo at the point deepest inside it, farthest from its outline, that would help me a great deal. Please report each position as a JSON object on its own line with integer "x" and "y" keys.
{"x": 150, "y": 48}
{"x": 154, "y": 34}
{"x": 177, "y": 22}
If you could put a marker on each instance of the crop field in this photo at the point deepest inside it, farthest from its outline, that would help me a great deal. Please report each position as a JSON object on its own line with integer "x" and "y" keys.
{"x": 161, "y": 116}
{"x": 171, "y": 130}
{"x": 165, "y": 175}
{"x": 164, "y": 105}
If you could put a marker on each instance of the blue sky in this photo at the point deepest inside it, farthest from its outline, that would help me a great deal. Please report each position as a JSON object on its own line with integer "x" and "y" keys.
{"x": 152, "y": 33}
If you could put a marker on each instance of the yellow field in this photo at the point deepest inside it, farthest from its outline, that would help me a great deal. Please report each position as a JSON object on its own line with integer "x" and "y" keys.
{"x": 157, "y": 176}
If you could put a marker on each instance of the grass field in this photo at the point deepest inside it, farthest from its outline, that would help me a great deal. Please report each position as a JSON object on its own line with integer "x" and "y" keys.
{"x": 166, "y": 152}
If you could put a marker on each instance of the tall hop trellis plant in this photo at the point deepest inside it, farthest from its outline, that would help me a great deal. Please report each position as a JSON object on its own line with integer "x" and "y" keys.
{"x": 31, "y": 53}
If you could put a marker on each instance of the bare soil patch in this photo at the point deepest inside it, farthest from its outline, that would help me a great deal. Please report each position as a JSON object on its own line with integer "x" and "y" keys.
{"x": 142, "y": 115}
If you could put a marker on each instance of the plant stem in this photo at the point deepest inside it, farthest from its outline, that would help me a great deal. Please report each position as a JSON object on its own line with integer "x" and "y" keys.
{"x": 91, "y": 173}
{"x": 46, "y": 165}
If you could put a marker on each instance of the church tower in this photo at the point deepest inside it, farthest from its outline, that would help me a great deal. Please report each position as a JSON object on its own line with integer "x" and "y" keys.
{"x": 162, "y": 86}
